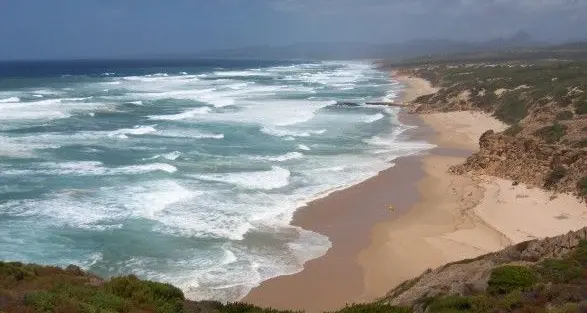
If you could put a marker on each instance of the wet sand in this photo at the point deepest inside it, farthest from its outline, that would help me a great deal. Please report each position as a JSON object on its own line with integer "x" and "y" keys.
{"x": 347, "y": 217}
{"x": 437, "y": 217}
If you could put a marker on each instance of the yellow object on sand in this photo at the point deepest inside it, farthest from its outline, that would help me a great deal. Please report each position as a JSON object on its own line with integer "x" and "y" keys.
{"x": 391, "y": 208}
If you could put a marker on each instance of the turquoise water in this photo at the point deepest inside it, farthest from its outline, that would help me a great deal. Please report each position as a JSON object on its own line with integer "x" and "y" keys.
{"x": 184, "y": 173}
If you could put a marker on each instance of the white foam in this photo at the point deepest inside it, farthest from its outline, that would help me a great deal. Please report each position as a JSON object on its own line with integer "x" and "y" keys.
{"x": 277, "y": 177}
{"x": 229, "y": 257}
{"x": 45, "y": 109}
{"x": 285, "y": 132}
{"x": 89, "y": 168}
{"x": 281, "y": 158}
{"x": 10, "y": 147}
{"x": 138, "y": 169}
{"x": 172, "y": 156}
{"x": 304, "y": 148}
{"x": 139, "y": 102}
{"x": 10, "y": 100}
{"x": 136, "y": 131}
{"x": 373, "y": 118}
{"x": 189, "y": 133}
{"x": 240, "y": 73}
{"x": 182, "y": 116}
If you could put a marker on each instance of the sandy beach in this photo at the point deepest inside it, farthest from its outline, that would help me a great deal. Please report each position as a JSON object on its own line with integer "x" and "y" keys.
{"x": 415, "y": 87}
{"x": 439, "y": 217}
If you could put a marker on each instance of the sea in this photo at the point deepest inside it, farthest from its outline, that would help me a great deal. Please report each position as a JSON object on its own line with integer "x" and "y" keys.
{"x": 185, "y": 171}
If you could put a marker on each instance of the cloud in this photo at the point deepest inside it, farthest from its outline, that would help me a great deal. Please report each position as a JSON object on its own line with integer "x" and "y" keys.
{"x": 401, "y": 19}
{"x": 424, "y": 6}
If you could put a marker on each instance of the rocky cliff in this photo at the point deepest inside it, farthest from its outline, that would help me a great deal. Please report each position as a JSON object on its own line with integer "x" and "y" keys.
{"x": 474, "y": 277}
{"x": 528, "y": 160}
{"x": 545, "y": 102}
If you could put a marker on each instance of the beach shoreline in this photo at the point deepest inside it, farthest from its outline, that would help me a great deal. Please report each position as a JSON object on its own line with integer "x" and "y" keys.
{"x": 437, "y": 217}
{"x": 328, "y": 282}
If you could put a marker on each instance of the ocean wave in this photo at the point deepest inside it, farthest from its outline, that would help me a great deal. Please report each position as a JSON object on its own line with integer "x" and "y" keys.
{"x": 182, "y": 116}
{"x": 276, "y": 178}
{"x": 45, "y": 109}
{"x": 280, "y": 158}
{"x": 304, "y": 147}
{"x": 373, "y": 118}
{"x": 171, "y": 156}
{"x": 10, "y": 100}
{"x": 9, "y": 147}
{"x": 189, "y": 133}
{"x": 284, "y": 132}
{"x": 250, "y": 73}
{"x": 89, "y": 168}
{"x": 137, "y": 130}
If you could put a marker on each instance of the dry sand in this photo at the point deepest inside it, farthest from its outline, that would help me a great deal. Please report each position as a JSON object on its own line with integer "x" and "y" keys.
{"x": 461, "y": 216}
{"x": 439, "y": 218}
{"x": 415, "y": 87}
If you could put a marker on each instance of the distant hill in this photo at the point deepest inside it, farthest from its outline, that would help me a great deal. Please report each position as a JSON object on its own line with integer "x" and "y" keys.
{"x": 354, "y": 50}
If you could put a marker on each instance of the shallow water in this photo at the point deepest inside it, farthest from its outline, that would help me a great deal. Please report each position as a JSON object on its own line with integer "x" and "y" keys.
{"x": 185, "y": 172}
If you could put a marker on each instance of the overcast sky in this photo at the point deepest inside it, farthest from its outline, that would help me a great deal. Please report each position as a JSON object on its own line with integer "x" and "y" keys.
{"x": 110, "y": 28}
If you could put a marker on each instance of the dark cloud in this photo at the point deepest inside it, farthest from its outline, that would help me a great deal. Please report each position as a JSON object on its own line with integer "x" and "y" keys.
{"x": 65, "y": 28}
{"x": 463, "y": 19}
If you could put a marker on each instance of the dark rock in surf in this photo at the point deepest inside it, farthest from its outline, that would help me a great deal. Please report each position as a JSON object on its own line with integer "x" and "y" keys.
{"x": 347, "y": 104}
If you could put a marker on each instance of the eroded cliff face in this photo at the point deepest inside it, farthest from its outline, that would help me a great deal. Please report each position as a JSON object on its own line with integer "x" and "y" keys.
{"x": 545, "y": 105}
{"x": 470, "y": 277}
{"x": 528, "y": 160}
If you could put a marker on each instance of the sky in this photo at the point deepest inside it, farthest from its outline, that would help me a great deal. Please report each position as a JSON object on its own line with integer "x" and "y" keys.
{"x": 58, "y": 29}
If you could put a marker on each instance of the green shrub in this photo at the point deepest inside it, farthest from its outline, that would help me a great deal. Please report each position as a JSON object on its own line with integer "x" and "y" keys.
{"x": 581, "y": 107}
{"x": 580, "y": 255}
{"x": 506, "y": 279}
{"x": 373, "y": 308}
{"x": 42, "y": 301}
{"x": 511, "y": 111}
{"x": 564, "y": 115}
{"x": 583, "y": 186}
{"x": 451, "y": 304}
{"x": 512, "y": 300}
{"x": 553, "y": 133}
{"x": 107, "y": 301}
{"x": 554, "y": 176}
{"x": 15, "y": 271}
{"x": 164, "y": 298}
{"x": 559, "y": 271}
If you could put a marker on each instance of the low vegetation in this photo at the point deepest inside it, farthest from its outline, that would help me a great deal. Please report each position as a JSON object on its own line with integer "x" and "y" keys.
{"x": 582, "y": 185}
{"x": 543, "y": 101}
{"x": 554, "y": 285}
